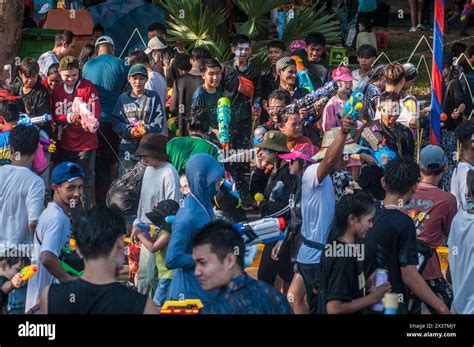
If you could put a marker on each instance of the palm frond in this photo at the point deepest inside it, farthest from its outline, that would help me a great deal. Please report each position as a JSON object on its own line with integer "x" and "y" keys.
{"x": 257, "y": 11}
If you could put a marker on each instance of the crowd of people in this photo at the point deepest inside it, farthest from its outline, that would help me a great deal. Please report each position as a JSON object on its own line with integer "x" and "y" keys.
{"x": 140, "y": 177}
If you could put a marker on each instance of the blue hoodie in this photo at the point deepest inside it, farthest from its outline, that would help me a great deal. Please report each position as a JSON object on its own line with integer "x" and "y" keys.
{"x": 202, "y": 171}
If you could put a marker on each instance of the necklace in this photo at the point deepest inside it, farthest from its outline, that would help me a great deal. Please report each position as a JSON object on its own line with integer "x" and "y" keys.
{"x": 392, "y": 207}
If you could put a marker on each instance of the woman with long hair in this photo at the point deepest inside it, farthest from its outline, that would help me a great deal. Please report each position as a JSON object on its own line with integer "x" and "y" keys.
{"x": 342, "y": 282}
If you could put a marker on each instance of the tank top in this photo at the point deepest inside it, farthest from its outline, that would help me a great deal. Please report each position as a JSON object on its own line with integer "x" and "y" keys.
{"x": 81, "y": 297}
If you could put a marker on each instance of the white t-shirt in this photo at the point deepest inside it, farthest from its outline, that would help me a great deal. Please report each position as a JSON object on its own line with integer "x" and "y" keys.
{"x": 459, "y": 184}
{"x": 317, "y": 210}
{"x": 45, "y": 61}
{"x": 157, "y": 83}
{"x": 21, "y": 203}
{"x": 53, "y": 231}
{"x": 359, "y": 82}
{"x": 461, "y": 262}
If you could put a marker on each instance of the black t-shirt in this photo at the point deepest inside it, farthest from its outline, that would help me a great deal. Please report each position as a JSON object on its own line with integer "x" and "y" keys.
{"x": 340, "y": 278}
{"x": 81, "y": 297}
{"x": 36, "y": 103}
{"x": 391, "y": 244}
{"x": 453, "y": 96}
{"x": 3, "y": 296}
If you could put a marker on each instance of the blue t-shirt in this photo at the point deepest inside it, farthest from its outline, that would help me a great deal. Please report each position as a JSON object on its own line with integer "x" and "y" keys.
{"x": 203, "y": 98}
{"x": 109, "y": 75}
{"x": 5, "y": 155}
{"x": 367, "y": 5}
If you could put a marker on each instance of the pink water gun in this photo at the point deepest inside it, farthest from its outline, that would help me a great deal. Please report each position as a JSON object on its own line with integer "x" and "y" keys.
{"x": 88, "y": 120}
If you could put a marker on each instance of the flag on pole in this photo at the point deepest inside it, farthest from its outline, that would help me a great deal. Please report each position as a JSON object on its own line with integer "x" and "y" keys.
{"x": 437, "y": 68}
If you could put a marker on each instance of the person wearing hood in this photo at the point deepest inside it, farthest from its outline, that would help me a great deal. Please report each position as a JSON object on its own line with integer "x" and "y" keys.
{"x": 203, "y": 173}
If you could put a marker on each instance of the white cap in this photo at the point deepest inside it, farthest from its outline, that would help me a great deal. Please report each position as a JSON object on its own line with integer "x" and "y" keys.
{"x": 104, "y": 39}
{"x": 45, "y": 8}
{"x": 155, "y": 44}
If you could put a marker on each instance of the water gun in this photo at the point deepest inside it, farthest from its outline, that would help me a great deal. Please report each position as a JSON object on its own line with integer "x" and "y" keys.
{"x": 88, "y": 120}
{"x": 223, "y": 119}
{"x": 138, "y": 128}
{"x": 5, "y": 95}
{"x": 148, "y": 229}
{"x": 377, "y": 147}
{"x": 71, "y": 262}
{"x": 189, "y": 306}
{"x": 259, "y": 134}
{"x": 228, "y": 185}
{"x": 27, "y": 120}
{"x": 27, "y": 272}
{"x": 302, "y": 74}
{"x": 353, "y": 105}
{"x": 265, "y": 230}
{"x": 48, "y": 145}
{"x": 328, "y": 90}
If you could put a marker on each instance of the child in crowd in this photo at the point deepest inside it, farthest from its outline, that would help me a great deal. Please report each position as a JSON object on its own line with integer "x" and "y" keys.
{"x": 10, "y": 277}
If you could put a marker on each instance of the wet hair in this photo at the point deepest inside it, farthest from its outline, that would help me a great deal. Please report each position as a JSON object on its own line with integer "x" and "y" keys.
{"x": 464, "y": 133}
{"x": 97, "y": 230}
{"x": 29, "y": 67}
{"x": 11, "y": 111}
{"x": 283, "y": 116}
{"x": 376, "y": 74}
{"x": 470, "y": 182}
{"x": 458, "y": 48}
{"x": 159, "y": 27}
{"x": 389, "y": 96}
{"x": 432, "y": 172}
{"x": 280, "y": 94}
{"x": 138, "y": 56}
{"x": 86, "y": 54}
{"x": 222, "y": 239}
{"x": 315, "y": 39}
{"x": 63, "y": 37}
{"x": 394, "y": 73}
{"x": 200, "y": 53}
{"x": 367, "y": 51}
{"x": 208, "y": 64}
{"x": 239, "y": 39}
{"x": 181, "y": 62}
{"x": 53, "y": 69}
{"x": 24, "y": 139}
{"x": 400, "y": 175}
{"x": 358, "y": 204}
{"x": 199, "y": 120}
{"x": 276, "y": 44}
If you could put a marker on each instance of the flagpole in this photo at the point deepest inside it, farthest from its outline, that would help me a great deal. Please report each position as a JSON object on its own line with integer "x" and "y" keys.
{"x": 437, "y": 68}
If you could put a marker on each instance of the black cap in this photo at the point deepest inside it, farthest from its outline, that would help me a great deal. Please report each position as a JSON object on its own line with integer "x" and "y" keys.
{"x": 159, "y": 213}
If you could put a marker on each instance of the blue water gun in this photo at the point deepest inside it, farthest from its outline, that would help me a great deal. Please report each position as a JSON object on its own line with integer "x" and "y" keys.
{"x": 223, "y": 119}
{"x": 303, "y": 75}
{"x": 265, "y": 230}
{"x": 227, "y": 185}
{"x": 354, "y": 104}
{"x": 383, "y": 156}
{"x": 27, "y": 120}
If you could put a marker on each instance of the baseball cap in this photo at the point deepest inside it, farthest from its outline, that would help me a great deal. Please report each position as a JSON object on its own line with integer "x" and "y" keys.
{"x": 155, "y": 44}
{"x": 44, "y": 9}
{"x": 138, "y": 69}
{"x": 104, "y": 39}
{"x": 432, "y": 158}
{"x": 283, "y": 63}
{"x": 162, "y": 210}
{"x": 68, "y": 63}
{"x": 66, "y": 171}
{"x": 342, "y": 73}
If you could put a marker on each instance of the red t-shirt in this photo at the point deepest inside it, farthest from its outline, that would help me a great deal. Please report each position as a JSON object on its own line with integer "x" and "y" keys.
{"x": 73, "y": 137}
{"x": 432, "y": 210}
